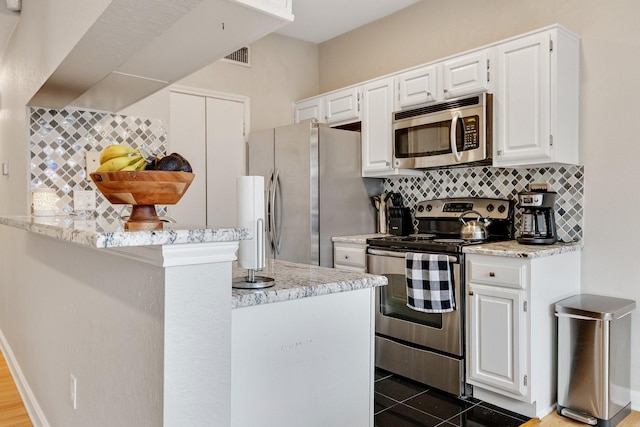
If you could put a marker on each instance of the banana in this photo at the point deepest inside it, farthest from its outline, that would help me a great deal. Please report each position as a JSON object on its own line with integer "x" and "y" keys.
{"x": 118, "y": 163}
{"x": 115, "y": 150}
{"x": 137, "y": 166}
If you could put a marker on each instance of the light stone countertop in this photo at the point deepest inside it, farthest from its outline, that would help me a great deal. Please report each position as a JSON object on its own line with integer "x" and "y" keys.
{"x": 513, "y": 249}
{"x": 294, "y": 281}
{"x": 510, "y": 248}
{"x": 102, "y": 233}
{"x": 360, "y": 239}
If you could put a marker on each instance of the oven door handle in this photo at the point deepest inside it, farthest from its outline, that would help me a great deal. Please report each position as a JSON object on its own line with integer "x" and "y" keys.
{"x": 398, "y": 254}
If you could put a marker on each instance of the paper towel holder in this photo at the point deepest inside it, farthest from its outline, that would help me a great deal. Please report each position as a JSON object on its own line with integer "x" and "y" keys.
{"x": 251, "y": 281}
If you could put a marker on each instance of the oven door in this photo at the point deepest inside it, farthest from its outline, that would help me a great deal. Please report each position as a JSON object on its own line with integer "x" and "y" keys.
{"x": 438, "y": 331}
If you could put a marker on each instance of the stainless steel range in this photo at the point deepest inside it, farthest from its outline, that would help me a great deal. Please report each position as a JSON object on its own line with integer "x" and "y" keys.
{"x": 430, "y": 347}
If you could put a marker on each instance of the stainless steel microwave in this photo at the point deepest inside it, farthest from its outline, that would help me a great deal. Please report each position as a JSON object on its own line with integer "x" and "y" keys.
{"x": 452, "y": 133}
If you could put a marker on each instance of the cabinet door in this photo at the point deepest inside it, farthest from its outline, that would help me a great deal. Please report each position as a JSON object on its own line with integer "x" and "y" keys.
{"x": 309, "y": 109}
{"x": 523, "y": 101}
{"x": 342, "y": 106}
{"x": 226, "y": 158}
{"x": 188, "y": 136}
{"x": 417, "y": 86}
{"x": 209, "y": 131}
{"x": 466, "y": 74}
{"x": 377, "y": 107}
{"x": 497, "y": 345}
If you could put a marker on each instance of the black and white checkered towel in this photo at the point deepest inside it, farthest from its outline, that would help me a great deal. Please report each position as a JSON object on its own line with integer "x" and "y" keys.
{"x": 430, "y": 283}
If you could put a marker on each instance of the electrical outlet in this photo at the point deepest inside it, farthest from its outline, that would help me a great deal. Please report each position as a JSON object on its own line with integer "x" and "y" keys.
{"x": 73, "y": 391}
{"x": 84, "y": 200}
{"x": 92, "y": 161}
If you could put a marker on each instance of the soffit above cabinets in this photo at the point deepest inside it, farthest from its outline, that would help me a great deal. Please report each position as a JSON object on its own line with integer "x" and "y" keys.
{"x": 137, "y": 48}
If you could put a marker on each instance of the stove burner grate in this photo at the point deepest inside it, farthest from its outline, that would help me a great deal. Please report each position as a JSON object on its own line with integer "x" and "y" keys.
{"x": 450, "y": 241}
{"x": 422, "y": 236}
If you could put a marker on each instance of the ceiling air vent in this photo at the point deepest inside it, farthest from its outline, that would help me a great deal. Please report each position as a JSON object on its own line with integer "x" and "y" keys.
{"x": 240, "y": 57}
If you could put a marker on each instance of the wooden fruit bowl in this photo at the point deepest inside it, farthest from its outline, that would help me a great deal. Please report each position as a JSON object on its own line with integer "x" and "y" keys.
{"x": 143, "y": 190}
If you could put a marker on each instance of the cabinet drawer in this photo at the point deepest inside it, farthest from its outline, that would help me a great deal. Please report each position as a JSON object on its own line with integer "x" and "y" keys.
{"x": 497, "y": 273}
{"x": 350, "y": 256}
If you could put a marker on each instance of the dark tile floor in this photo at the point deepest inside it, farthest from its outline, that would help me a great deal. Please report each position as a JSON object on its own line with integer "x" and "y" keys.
{"x": 400, "y": 402}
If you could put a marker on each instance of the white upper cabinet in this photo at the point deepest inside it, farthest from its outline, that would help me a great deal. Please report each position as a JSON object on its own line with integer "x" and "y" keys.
{"x": 536, "y": 100}
{"x": 418, "y": 86}
{"x": 342, "y": 106}
{"x": 377, "y": 101}
{"x": 338, "y": 107}
{"x": 377, "y": 139}
{"x": 466, "y": 74}
{"x": 309, "y": 109}
{"x": 535, "y": 81}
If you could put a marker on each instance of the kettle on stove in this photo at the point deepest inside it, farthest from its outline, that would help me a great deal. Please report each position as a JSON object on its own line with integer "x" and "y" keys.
{"x": 538, "y": 225}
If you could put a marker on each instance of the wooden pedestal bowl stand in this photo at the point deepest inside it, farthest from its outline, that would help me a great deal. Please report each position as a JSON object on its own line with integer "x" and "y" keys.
{"x": 143, "y": 190}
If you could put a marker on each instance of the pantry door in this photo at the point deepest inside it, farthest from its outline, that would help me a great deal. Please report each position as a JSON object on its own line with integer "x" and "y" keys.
{"x": 208, "y": 129}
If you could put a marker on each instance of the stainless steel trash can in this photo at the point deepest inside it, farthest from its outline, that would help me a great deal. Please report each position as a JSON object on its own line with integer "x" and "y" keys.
{"x": 594, "y": 346}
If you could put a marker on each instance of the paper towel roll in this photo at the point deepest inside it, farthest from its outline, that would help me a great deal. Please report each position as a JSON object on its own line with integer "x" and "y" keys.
{"x": 250, "y": 208}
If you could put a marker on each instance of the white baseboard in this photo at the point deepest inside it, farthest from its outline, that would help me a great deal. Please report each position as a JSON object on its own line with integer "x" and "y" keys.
{"x": 30, "y": 403}
{"x": 635, "y": 400}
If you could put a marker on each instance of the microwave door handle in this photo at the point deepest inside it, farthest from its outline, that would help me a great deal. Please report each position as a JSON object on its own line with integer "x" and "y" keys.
{"x": 454, "y": 127}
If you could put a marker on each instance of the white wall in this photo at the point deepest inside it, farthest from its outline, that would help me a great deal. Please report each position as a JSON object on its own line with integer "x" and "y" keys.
{"x": 47, "y": 31}
{"x": 88, "y": 313}
{"x": 609, "y": 107}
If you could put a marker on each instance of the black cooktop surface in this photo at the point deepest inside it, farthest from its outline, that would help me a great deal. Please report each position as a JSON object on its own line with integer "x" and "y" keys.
{"x": 426, "y": 242}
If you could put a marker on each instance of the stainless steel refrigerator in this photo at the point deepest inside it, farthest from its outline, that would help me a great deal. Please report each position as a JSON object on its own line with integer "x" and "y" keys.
{"x": 313, "y": 190}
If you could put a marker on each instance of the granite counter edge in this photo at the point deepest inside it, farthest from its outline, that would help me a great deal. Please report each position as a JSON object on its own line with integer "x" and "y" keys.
{"x": 66, "y": 229}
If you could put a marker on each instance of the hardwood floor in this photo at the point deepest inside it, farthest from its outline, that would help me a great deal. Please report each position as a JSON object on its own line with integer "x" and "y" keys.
{"x": 12, "y": 411}
{"x": 555, "y": 420}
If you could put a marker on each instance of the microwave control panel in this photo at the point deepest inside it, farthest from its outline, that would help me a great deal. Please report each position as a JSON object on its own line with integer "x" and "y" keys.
{"x": 471, "y": 132}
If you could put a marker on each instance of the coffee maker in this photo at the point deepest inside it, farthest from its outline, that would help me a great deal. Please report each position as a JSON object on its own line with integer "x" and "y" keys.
{"x": 538, "y": 219}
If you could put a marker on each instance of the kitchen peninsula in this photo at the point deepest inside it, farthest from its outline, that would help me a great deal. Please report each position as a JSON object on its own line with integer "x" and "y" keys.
{"x": 139, "y": 328}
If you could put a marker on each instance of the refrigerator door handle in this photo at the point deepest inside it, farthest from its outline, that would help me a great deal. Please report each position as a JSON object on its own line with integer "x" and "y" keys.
{"x": 277, "y": 222}
{"x": 270, "y": 212}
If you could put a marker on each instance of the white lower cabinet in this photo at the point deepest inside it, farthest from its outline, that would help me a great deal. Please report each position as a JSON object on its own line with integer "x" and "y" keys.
{"x": 511, "y": 328}
{"x": 350, "y": 256}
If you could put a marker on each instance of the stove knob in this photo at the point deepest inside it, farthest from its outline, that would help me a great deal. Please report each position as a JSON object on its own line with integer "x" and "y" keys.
{"x": 489, "y": 207}
{"x": 420, "y": 208}
{"x": 429, "y": 208}
{"x": 502, "y": 208}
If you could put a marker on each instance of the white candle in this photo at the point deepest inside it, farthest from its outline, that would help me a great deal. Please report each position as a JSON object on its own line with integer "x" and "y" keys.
{"x": 45, "y": 202}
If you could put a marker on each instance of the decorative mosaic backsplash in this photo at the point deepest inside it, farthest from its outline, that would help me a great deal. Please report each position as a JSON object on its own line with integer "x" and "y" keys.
{"x": 567, "y": 181}
{"x": 59, "y": 140}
